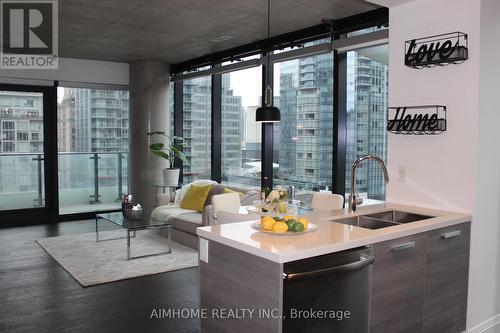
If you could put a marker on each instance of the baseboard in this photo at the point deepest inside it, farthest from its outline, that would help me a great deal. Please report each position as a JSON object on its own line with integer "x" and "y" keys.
{"x": 485, "y": 325}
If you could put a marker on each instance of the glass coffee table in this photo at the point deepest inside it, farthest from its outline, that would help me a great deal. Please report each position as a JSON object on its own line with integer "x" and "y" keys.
{"x": 145, "y": 223}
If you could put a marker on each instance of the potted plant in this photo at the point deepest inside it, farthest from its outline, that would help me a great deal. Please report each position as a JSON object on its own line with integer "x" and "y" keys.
{"x": 169, "y": 151}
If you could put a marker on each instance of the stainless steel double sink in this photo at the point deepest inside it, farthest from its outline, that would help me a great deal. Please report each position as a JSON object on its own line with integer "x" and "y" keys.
{"x": 383, "y": 219}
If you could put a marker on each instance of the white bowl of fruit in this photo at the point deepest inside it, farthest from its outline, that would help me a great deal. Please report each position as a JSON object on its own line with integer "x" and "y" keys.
{"x": 286, "y": 225}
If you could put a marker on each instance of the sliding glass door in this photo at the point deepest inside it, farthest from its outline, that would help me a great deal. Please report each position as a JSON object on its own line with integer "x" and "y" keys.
{"x": 23, "y": 158}
{"x": 92, "y": 141}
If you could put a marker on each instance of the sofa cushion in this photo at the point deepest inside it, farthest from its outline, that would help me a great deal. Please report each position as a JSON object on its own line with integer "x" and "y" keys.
{"x": 196, "y": 197}
{"x": 215, "y": 190}
{"x": 167, "y": 212}
{"x": 181, "y": 193}
{"x": 228, "y": 190}
{"x": 187, "y": 222}
{"x": 249, "y": 197}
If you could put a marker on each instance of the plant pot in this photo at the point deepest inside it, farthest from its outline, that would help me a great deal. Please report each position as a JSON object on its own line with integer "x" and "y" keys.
{"x": 171, "y": 177}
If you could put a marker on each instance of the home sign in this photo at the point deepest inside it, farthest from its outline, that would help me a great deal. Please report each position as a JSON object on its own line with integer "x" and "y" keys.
{"x": 439, "y": 50}
{"x": 417, "y": 120}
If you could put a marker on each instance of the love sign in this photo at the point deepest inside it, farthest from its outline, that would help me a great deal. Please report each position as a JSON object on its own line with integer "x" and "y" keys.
{"x": 419, "y": 120}
{"x": 445, "y": 49}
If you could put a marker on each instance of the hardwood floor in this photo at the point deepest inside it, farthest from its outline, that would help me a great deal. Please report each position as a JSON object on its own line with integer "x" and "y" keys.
{"x": 37, "y": 295}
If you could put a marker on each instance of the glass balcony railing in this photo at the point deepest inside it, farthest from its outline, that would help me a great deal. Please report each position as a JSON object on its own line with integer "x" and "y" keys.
{"x": 88, "y": 182}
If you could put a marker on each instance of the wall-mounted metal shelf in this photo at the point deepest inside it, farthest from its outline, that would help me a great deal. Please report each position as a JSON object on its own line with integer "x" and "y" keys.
{"x": 438, "y": 50}
{"x": 417, "y": 120}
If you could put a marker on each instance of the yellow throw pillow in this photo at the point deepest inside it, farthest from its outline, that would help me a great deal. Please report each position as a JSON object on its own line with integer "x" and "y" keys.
{"x": 227, "y": 190}
{"x": 195, "y": 197}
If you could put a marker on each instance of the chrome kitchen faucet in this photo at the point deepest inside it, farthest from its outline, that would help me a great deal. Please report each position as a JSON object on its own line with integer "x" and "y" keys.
{"x": 352, "y": 197}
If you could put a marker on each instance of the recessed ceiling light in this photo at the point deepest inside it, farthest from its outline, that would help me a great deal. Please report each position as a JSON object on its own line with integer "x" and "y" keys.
{"x": 222, "y": 39}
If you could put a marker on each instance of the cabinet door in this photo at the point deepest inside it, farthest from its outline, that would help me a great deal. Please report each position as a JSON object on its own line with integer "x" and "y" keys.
{"x": 447, "y": 279}
{"x": 398, "y": 285}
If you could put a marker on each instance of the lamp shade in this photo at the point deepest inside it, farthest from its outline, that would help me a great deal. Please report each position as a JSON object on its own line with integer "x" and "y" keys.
{"x": 267, "y": 114}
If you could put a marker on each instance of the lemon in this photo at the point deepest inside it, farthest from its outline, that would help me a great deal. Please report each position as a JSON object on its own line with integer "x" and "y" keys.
{"x": 288, "y": 217}
{"x": 280, "y": 227}
{"x": 268, "y": 224}
{"x": 304, "y": 221}
{"x": 266, "y": 218}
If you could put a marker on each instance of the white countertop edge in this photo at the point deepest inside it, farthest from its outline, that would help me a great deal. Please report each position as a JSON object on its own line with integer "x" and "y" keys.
{"x": 238, "y": 245}
{"x": 446, "y": 220}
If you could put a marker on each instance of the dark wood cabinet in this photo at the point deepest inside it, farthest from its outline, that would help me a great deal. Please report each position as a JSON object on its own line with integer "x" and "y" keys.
{"x": 420, "y": 282}
{"x": 445, "y": 307}
{"x": 398, "y": 284}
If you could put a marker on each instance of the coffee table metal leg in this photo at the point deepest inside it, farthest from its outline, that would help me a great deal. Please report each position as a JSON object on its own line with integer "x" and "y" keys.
{"x": 169, "y": 239}
{"x": 128, "y": 244}
{"x": 96, "y": 229}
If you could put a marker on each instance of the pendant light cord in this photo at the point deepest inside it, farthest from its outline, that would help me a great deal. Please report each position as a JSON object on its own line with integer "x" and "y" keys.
{"x": 268, "y": 19}
{"x": 268, "y": 98}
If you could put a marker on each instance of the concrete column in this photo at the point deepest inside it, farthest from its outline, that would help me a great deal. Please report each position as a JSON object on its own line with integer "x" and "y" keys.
{"x": 149, "y": 82}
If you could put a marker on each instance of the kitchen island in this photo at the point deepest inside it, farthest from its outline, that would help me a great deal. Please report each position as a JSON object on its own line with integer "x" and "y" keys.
{"x": 414, "y": 263}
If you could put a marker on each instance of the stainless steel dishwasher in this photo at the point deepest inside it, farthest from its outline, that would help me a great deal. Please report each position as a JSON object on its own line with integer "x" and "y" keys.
{"x": 329, "y": 293}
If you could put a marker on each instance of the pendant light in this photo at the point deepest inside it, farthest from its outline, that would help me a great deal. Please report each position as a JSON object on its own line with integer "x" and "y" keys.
{"x": 268, "y": 113}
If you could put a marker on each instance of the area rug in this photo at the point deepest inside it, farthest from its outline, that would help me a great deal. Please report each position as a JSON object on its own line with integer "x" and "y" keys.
{"x": 92, "y": 263}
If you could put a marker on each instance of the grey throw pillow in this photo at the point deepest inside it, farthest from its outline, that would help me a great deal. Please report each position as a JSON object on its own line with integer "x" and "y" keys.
{"x": 249, "y": 197}
{"x": 216, "y": 189}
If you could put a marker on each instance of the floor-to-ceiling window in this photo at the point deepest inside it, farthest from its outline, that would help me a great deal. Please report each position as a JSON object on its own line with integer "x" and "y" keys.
{"x": 197, "y": 127}
{"x": 367, "y": 95}
{"x": 22, "y": 158}
{"x": 93, "y": 134}
{"x": 240, "y": 133}
{"x": 308, "y": 144}
{"x": 303, "y": 140}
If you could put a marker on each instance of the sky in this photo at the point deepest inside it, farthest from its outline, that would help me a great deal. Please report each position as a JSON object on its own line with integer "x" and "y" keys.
{"x": 247, "y": 84}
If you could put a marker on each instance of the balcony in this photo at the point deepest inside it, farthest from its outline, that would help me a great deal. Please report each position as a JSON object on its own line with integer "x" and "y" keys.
{"x": 88, "y": 182}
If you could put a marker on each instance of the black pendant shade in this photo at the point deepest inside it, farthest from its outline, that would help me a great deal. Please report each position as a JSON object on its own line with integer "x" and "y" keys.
{"x": 267, "y": 114}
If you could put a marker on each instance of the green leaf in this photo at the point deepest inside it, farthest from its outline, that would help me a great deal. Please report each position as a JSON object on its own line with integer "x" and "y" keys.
{"x": 183, "y": 158}
{"x": 161, "y": 154}
{"x": 155, "y": 133}
{"x": 156, "y": 146}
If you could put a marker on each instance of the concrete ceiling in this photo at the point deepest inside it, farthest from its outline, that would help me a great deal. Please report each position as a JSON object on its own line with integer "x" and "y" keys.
{"x": 179, "y": 30}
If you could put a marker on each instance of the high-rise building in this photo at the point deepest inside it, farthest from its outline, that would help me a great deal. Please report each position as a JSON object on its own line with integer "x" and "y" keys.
{"x": 21, "y": 140}
{"x": 92, "y": 121}
{"x": 233, "y": 127}
{"x": 101, "y": 120}
{"x": 367, "y": 94}
{"x": 305, "y": 134}
{"x": 197, "y": 128}
{"x": 21, "y": 119}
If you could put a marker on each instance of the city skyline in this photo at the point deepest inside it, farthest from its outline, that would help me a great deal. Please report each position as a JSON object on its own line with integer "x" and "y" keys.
{"x": 96, "y": 121}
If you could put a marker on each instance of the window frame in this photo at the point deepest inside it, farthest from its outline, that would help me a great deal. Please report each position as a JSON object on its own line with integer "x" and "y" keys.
{"x": 338, "y": 35}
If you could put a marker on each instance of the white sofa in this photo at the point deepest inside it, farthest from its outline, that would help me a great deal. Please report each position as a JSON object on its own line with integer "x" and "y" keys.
{"x": 185, "y": 221}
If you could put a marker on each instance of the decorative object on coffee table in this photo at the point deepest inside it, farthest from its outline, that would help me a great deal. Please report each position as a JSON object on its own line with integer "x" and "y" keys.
{"x": 169, "y": 151}
{"x": 129, "y": 209}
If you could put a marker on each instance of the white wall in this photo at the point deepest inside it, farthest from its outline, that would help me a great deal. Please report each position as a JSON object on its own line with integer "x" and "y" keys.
{"x": 460, "y": 169}
{"x": 440, "y": 169}
{"x": 484, "y": 296}
{"x": 74, "y": 70}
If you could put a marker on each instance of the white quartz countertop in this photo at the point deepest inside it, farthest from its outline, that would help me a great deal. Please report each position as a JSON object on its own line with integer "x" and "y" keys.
{"x": 330, "y": 237}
